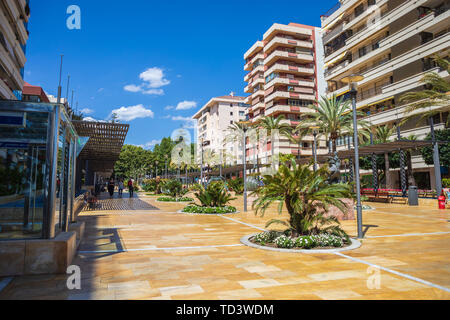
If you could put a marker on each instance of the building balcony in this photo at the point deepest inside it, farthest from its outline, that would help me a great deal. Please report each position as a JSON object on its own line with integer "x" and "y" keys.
{"x": 385, "y": 20}
{"x": 286, "y": 81}
{"x": 251, "y": 74}
{"x": 286, "y": 29}
{"x": 288, "y": 95}
{"x": 249, "y": 64}
{"x": 284, "y": 55}
{"x": 286, "y": 42}
{"x": 12, "y": 69}
{"x": 11, "y": 37}
{"x": 257, "y": 46}
{"x": 298, "y": 70}
{"x": 277, "y": 109}
{"x": 425, "y": 50}
{"x": 425, "y": 23}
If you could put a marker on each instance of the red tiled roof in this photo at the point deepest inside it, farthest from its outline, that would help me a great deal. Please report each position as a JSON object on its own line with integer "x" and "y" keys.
{"x": 30, "y": 90}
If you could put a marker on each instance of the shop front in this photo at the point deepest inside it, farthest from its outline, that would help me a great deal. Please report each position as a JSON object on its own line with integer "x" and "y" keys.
{"x": 38, "y": 149}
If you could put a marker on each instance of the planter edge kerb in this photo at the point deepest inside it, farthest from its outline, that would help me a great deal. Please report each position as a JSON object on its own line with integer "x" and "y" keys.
{"x": 245, "y": 240}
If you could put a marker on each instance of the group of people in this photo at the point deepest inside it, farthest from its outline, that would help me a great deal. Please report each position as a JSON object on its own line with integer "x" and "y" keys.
{"x": 120, "y": 185}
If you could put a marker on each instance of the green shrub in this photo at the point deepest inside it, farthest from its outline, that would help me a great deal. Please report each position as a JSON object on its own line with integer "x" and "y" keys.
{"x": 237, "y": 185}
{"x": 284, "y": 242}
{"x": 446, "y": 183}
{"x": 266, "y": 237}
{"x": 173, "y": 187}
{"x": 209, "y": 210}
{"x": 173, "y": 199}
{"x": 215, "y": 195}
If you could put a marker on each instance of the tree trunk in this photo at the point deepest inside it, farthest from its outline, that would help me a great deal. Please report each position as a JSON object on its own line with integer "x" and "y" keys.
{"x": 386, "y": 166}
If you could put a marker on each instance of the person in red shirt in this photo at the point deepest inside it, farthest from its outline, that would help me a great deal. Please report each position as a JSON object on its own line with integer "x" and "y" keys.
{"x": 130, "y": 187}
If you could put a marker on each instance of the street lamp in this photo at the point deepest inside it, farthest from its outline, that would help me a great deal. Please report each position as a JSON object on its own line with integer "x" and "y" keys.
{"x": 315, "y": 130}
{"x": 352, "y": 81}
{"x": 166, "y": 156}
{"x": 201, "y": 161}
{"x": 156, "y": 165}
{"x": 244, "y": 129}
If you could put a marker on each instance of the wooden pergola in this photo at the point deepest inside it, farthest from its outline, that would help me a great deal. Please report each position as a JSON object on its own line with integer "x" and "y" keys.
{"x": 105, "y": 139}
{"x": 101, "y": 151}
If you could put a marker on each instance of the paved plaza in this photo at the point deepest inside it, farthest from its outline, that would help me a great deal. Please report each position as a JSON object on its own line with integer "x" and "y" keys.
{"x": 142, "y": 249}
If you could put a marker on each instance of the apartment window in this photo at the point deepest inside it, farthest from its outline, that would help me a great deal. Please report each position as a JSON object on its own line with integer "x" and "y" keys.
{"x": 359, "y": 9}
{"x": 290, "y": 88}
{"x": 231, "y": 122}
{"x": 371, "y": 2}
{"x": 362, "y": 51}
{"x": 241, "y": 113}
{"x": 231, "y": 113}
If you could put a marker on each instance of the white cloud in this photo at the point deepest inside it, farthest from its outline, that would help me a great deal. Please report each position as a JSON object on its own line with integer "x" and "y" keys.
{"x": 132, "y": 112}
{"x": 158, "y": 92}
{"x": 153, "y": 79}
{"x": 189, "y": 123}
{"x": 87, "y": 111}
{"x": 186, "y": 105}
{"x": 132, "y": 88}
{"x": 169, "y": 108}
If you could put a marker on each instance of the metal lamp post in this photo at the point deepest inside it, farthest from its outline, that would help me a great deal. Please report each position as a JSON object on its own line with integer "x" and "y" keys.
{"x": 352, "y": 81}
{"x": 244, "y": 138}
{"x": 166, "y": 165}
{"x": 201, "y": 162}
{"x": 315, "y": 132}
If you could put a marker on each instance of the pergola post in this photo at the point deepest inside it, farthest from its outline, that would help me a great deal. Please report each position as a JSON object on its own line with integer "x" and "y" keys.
{"x": 436, "y": 160}
{"x": 374, "y": 168}
{"x": 402, "y": 165}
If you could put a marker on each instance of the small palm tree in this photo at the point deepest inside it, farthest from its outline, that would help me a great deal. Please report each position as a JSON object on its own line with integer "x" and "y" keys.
{"x": 383, "y": 135}
{"x": 271, "y": 124}
{"x": 333, "y": 116}
{"x": 436, "y": 94}
{"x": 307, "y": 196}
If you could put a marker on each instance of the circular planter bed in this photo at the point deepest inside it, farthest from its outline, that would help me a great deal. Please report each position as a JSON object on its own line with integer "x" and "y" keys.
{"x": 304, "y": 244}
{"x": 174, "y": 200}
{"x": 194, "y": 209}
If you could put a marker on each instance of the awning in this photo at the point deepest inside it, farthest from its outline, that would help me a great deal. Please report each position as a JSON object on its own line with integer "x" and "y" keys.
{"x": 380, "y": 101}
{"x": 332, "y": 23}
{"x": 382, "y": 148}
{"x": 337, "y": 59}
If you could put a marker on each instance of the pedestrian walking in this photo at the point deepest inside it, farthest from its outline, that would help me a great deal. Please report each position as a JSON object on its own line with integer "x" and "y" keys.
{"x": 111, "y": 186}
{"x": 130, "y": 187}
{"x": 120, "y": 187}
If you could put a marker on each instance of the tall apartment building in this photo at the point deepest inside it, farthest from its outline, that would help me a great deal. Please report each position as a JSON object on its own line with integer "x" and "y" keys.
{"x": 14, "y": 16}
{"x": 391, "y": 43}
{"x": 213, "y": 120}
{"x": 284, "y": 77}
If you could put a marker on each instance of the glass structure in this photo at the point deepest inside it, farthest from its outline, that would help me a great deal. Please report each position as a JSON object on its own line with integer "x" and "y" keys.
{"x": 38, "y": 149}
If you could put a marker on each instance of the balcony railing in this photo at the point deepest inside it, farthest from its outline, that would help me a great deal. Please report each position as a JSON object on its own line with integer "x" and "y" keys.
{"x": 332, "y": 10}
{"x": 371, "y": 92}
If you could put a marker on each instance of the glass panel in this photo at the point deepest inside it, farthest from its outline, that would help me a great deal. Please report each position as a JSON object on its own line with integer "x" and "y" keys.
{"x": 22, "y": 169}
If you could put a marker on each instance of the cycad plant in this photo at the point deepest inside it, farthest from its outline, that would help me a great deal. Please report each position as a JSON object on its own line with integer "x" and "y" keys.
{"x": 307, "y": 196}
{"x": 215, "y": 195}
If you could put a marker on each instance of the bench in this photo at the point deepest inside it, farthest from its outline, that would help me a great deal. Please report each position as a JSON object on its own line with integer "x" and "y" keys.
{"x": 380, "y": 196}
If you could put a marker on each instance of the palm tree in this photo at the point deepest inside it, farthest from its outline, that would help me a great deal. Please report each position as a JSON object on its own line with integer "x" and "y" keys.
{"x": 307, "y": 196}
{"x": 297, "y": 138}
{"x": 236, "y": 132}
{"x": 411, "y": 179}
{"x": 435, "y": 94}
{"x": 382, "y": 134}
{"x": 271, "y": 124}
{"x": 333, "y": 116}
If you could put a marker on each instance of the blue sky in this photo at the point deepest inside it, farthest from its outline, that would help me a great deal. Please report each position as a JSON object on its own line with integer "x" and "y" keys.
{"x": 154, "y": 62}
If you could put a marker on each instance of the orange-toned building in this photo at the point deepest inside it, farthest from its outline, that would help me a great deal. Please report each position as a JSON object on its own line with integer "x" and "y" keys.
{"x": 285, "y": 75}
